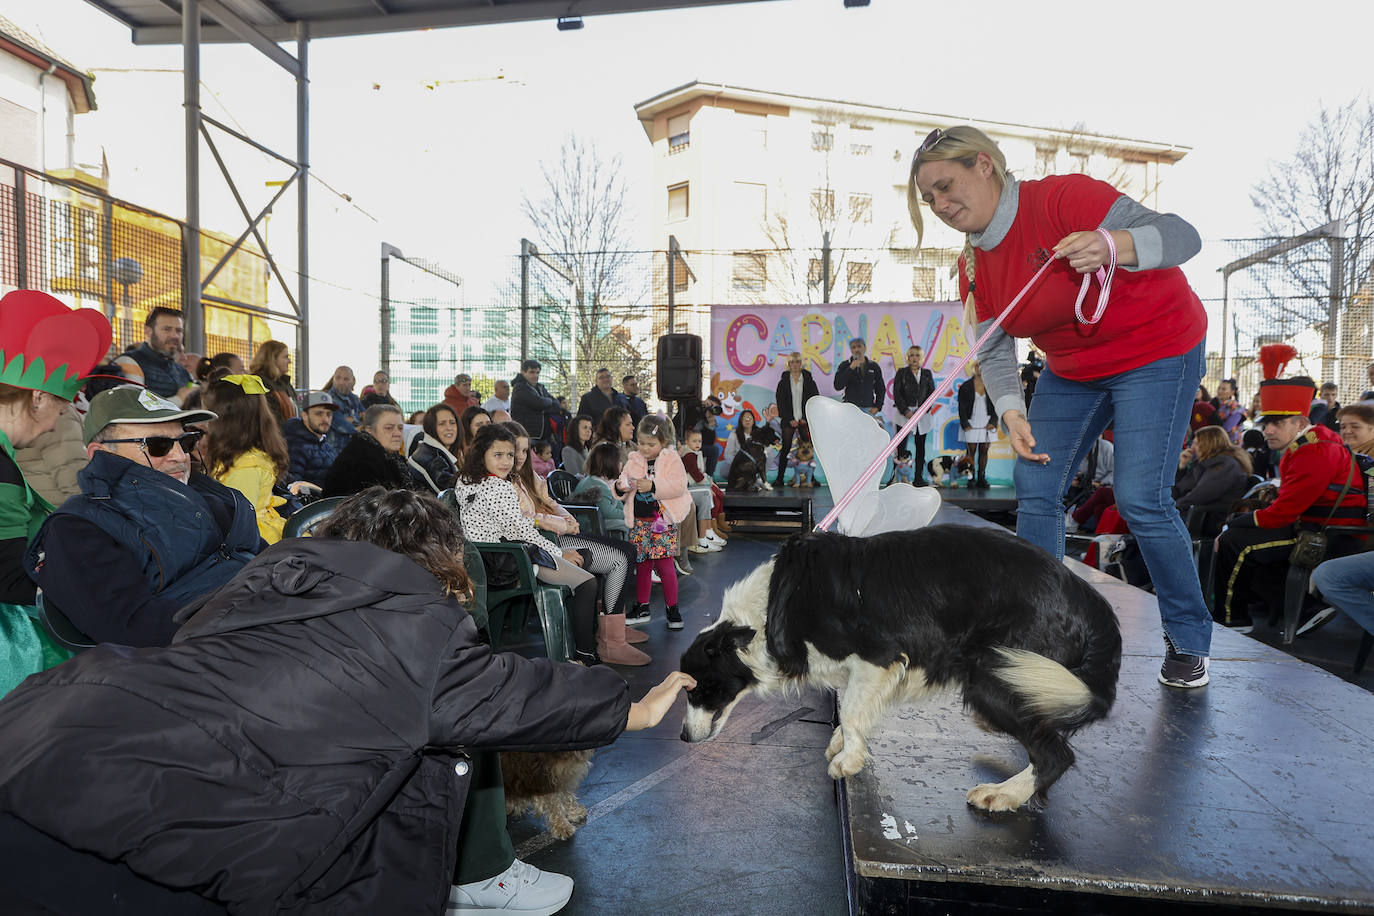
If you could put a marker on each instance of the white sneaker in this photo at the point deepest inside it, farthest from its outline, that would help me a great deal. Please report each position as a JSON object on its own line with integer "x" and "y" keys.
{"x": 1070, "y": 526}
{"x": 702, "y": 547}
{"x": 522, "y": 888}
{"x": 767, "y": 485}
{"x": 713, "y": 538}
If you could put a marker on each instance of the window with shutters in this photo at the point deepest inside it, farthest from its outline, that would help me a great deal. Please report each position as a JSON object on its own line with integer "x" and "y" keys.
{"x": 859, "y": 277}
{"x": 749, "y": 271}
{"x": 679, "y": 133}
{"x": 678, "y": 208}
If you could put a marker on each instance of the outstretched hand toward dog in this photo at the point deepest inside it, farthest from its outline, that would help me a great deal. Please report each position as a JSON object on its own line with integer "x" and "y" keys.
{"x": 650, "y": 711}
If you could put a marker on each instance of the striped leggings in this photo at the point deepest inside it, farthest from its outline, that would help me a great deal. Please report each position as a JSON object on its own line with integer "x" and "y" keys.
{"x": 612, "y": 560}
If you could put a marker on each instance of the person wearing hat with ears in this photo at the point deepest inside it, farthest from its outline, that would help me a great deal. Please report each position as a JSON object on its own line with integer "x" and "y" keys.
{"x": 146, "y": 534}
{"x": 1320, "y": 485}
{"x": 46, "y": 350}
{"x": 308, "y": 443}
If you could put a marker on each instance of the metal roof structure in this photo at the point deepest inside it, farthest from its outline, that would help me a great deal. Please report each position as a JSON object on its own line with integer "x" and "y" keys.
{"x": 159, "y": 21}
{"x": 265, "y": 24}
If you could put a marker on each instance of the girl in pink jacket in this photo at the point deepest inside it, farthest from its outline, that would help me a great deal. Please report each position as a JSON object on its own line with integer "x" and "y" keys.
{"x": 654, "y": 488}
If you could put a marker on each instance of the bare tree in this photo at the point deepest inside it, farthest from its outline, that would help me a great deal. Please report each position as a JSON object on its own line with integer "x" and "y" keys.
{"x": 586, "y": 287}
{"x": 1098, "y": 156}
{"x": 1330, "y": 177}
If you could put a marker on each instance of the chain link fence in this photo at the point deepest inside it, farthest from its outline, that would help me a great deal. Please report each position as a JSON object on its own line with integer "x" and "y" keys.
{"x": 71, "y": 239}
{"x": 1299, "y": 291}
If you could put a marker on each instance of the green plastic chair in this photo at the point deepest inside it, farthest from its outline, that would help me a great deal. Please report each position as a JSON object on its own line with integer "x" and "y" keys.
{"x": 504, "y": 611}
{"x": 588, "y": 519}
{"x": 304, "y": 521}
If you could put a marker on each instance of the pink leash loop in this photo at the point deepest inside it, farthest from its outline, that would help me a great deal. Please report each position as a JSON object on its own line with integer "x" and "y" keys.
{"x": 1104, "y": 277}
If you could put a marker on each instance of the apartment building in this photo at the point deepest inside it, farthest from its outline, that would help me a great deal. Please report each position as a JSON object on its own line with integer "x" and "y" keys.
{"x": 752, "y": 183}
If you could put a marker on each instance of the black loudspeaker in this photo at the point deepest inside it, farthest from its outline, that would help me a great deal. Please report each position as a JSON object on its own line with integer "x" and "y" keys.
{"x": 679, "y": 367}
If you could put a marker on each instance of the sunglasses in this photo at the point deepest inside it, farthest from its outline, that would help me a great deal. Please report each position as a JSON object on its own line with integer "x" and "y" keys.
{"x": 161, "y": 446}
{"x": 932, "y": 138}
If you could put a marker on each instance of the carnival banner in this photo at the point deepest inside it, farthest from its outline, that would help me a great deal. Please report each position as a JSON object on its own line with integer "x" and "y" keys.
{"x": 750, "y": 345}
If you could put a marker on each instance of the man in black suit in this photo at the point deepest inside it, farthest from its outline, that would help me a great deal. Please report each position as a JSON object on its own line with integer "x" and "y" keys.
{"x": 795, "y": 388}
{"x": 911, "y": 386}
{"x": 601, "y": 397}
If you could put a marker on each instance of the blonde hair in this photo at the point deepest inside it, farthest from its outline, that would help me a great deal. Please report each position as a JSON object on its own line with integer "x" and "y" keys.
{"x": 962, "y": 143}
{"x": 656, "y": 427}
{"x": 1210, "y": 441}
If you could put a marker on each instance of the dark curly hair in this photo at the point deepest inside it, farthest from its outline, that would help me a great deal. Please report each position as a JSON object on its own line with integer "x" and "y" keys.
{"x": 475, "y": 455}
{"x": 415, "y": 525}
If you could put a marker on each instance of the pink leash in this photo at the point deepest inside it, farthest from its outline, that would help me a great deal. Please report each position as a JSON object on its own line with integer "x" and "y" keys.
{"x": 1104, "y": 277}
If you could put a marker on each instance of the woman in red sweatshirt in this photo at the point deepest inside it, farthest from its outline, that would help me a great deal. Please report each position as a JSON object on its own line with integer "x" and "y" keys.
{"x": 1138, "y": 366}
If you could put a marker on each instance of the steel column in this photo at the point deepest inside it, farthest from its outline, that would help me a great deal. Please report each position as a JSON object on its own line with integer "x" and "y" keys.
{"x": 303, "y": 200}
{"x": 192, "y": 313}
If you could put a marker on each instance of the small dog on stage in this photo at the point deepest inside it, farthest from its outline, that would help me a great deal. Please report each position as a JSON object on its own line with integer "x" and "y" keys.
{"x": 746, "y": 473}
{"x": 903, "y": 467}
{"x": 946, "y": 470}
{"x": 804, "y": 461}
{"x": 545, "y": 783}
{"x": 891, "y": 617}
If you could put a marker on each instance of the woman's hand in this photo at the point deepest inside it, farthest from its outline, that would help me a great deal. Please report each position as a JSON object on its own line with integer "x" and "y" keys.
{"x": 650, "y": 711}
{"x": 1185, "y": 457}
{"x": 1022, "y": 440}
{"x": 304, "y": 487}
{"x": 644, "y": 485}
{"x": 1087, "y": 251}
{"x": 573, "y": 557}
{"x": 570, "y": 526}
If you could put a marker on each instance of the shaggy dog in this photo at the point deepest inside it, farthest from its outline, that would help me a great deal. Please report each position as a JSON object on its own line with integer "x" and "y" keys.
{"x": 1033, "y": 648}
{"x": 545, "y": 783}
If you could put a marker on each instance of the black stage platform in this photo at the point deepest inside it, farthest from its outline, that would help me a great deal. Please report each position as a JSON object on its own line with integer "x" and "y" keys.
{"x": 1247, "y": 794}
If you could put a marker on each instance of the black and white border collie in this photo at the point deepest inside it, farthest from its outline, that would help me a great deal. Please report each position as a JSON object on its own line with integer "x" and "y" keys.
{"x": 1034, "y": 649}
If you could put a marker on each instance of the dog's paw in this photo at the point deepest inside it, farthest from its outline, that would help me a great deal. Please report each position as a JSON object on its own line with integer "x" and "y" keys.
{"x": 993, "y": 796}
{"x": 577, "y": 813}
{"x": 846, "y": 763}
{"x": 836, "y": 744}
{"x": 561, "y": 829}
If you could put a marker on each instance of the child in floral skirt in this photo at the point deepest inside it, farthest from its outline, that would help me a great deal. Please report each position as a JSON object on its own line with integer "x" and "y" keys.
{"x": 654, "y": 488}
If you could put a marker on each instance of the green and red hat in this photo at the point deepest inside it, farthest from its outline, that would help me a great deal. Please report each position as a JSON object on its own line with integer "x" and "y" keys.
{"x": 46, "y": 346}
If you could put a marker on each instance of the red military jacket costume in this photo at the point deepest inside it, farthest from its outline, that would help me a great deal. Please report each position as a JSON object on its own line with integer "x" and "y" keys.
{"x": 1314, "y": 469}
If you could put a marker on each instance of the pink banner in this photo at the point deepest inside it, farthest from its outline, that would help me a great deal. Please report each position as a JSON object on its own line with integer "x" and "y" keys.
{"x": 750, "y": 344}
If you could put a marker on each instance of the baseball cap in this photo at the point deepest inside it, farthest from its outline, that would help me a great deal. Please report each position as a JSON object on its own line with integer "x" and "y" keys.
{"x": 320, "y": 399}
{"x": 132, "y": 404}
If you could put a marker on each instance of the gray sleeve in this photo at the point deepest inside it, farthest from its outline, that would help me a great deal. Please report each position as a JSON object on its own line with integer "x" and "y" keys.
{"x": 997, "y": 361}
{"x": 1161, "y": 239}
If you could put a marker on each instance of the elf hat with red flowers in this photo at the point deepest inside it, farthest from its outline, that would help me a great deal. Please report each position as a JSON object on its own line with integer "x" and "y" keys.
{"x": 45, "y": 346}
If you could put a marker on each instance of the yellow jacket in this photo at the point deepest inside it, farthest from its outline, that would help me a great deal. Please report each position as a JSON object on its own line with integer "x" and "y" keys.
{"x": 253, "y": 475}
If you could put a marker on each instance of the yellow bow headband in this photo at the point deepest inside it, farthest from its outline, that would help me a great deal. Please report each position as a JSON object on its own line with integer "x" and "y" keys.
{"x": 250, "y": 384}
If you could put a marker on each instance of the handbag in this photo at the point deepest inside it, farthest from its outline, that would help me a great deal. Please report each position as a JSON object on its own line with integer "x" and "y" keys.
{"x": 502, "y": 570}
{"x": 1310, "y": 547}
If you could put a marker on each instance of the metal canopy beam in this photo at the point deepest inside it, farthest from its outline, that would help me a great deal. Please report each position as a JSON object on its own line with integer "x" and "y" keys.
{"x": 400, "y": 20}
{"x": 246, "y": 31}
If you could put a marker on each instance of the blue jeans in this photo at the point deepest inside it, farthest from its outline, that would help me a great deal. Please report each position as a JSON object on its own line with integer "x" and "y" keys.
{"x": 1348, "y": 583}
{"x": 1151, "y": 406}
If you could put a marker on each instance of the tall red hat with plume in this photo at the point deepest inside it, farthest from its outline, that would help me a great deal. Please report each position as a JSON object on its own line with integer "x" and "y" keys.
{"x": 45, "y": 346}
{"x": 1280, "y": 397}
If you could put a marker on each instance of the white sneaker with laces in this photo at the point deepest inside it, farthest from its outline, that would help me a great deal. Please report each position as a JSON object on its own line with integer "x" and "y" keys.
{"x": 522, "y": 888}
{"x": 714, "y": 538}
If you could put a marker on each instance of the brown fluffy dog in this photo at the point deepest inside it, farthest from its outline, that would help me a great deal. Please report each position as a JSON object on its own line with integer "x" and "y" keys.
{"x": 545, "y": 783}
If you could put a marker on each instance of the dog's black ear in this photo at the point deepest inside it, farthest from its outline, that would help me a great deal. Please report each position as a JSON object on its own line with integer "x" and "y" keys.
{"x": 733, "y": 638}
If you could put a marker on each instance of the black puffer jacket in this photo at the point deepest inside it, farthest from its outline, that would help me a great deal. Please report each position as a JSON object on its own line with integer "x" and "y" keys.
{"x": 365, "y": 463}
{"x": 300, "y": 746}
{"x": 1214, "y": 483}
